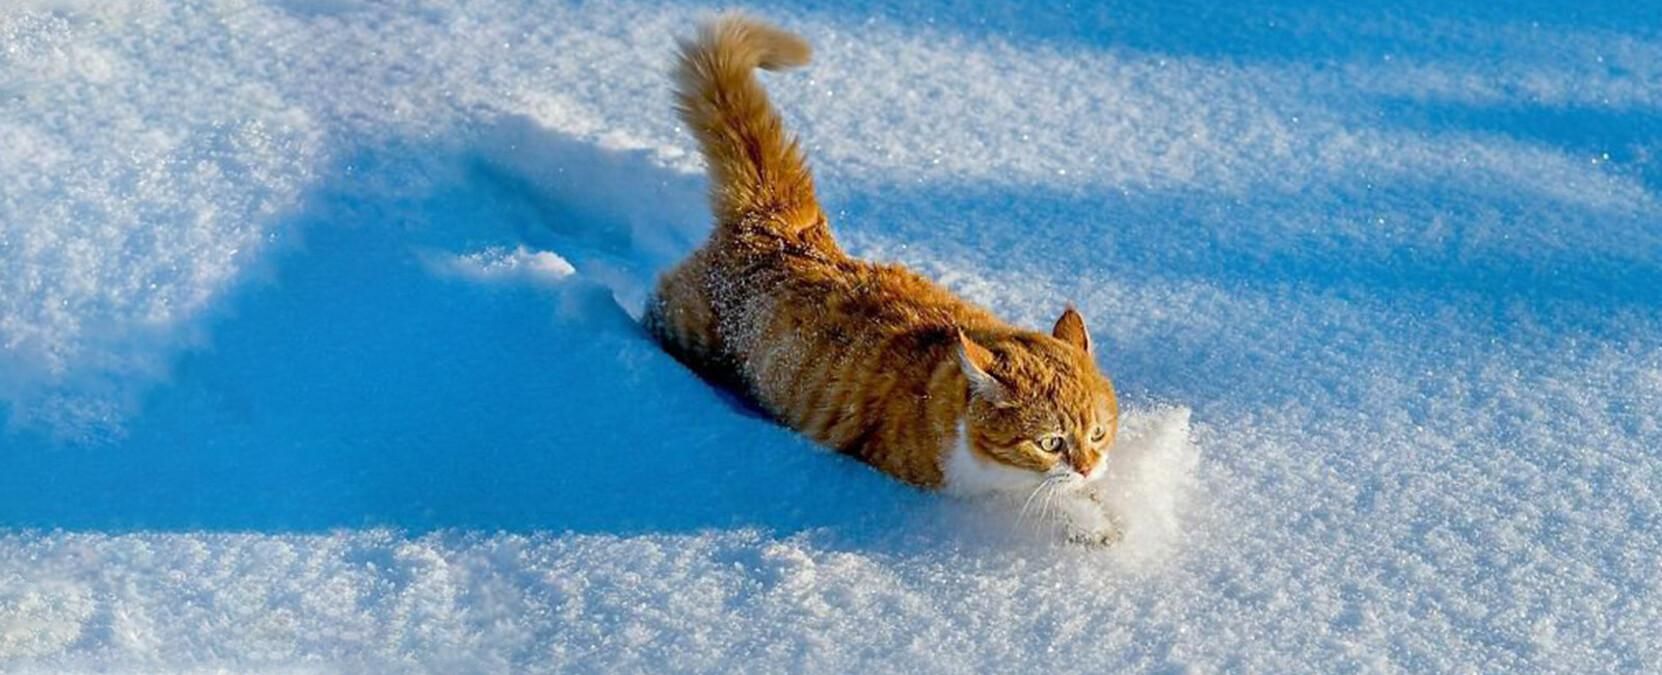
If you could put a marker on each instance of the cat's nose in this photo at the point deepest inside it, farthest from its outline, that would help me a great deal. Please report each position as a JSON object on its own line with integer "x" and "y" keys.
{"x": 1084, "y": 465}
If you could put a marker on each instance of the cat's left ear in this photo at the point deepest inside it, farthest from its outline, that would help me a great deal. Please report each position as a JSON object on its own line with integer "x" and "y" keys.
{"x": 975, "y": 360}
{"x": 1070, "y": 328}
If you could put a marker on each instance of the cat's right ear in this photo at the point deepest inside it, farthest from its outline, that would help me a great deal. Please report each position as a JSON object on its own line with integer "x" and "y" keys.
{"x": 1070, "y": 328}
{"x": 975, "y": 361}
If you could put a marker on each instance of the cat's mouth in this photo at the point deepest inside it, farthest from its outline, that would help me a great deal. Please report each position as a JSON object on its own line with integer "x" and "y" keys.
{"x": 1069, "y": 479}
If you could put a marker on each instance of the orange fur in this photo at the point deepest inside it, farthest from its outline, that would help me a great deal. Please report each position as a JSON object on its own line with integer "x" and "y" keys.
{"x": 873, "y": 360}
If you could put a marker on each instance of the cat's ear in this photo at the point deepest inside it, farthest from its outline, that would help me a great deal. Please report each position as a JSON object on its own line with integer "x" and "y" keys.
{"x": 975, "y": 360}
{"x": 1070, "y": 328}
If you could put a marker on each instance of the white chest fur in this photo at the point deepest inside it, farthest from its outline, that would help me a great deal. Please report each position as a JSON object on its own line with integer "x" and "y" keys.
{"x": 967, "y": 474}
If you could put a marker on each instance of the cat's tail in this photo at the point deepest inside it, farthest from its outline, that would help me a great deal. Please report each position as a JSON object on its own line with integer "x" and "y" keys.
{"x": 758, "y": 174}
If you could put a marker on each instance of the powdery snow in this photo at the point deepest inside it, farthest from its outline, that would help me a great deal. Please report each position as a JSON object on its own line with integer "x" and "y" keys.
{"x": 316, "y": 349}
{"x": 497, "y": 264}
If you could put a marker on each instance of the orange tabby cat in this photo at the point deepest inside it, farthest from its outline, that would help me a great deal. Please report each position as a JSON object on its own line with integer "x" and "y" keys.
{"x": 872, "y": 360}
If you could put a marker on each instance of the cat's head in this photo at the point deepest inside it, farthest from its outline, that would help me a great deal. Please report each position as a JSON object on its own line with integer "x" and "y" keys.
{"x": 1038, "y": 402}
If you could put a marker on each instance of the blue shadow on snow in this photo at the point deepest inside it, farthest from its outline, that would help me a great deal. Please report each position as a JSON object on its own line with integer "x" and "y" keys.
{"x": 362, "y": 388}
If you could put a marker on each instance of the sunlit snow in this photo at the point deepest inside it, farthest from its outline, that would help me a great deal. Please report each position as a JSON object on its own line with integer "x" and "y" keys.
{"x": 317, "y": 348}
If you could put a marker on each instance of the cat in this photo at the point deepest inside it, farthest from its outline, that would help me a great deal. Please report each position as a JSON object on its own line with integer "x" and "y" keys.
{"x": 872, "y": 360}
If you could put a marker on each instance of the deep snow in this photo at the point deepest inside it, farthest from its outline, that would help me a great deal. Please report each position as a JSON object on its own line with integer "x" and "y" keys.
{"x": 315, "y": 346}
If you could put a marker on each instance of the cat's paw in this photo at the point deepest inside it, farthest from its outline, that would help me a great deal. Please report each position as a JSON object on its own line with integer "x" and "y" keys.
{"x": 1087, "y": 522}
{"x": 1096, "y": 538}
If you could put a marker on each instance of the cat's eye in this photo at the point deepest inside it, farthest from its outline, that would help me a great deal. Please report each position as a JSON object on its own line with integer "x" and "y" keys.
{"x": 1051, "y": 444}
{"x": 1097, "y": 434}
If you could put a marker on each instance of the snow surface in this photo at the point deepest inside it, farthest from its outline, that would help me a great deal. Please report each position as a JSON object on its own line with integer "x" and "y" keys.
{"x": 316, "y": 349}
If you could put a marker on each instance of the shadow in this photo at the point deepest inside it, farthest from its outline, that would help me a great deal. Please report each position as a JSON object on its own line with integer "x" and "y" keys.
{"x": 1254, "y": 241}
{"x": 1242, "y": 33}
{"x": 1628, "y": 140}
{"x": 1274, "y": 30}
{"x": 358, "y": 387}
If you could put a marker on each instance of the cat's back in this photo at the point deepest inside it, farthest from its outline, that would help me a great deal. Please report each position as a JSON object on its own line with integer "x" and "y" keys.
{"x": 845, "y": 293}
{"x": 844, "y": 349}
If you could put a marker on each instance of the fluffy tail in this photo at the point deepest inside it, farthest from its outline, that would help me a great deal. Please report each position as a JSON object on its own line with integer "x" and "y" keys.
{"x": 757, "y": 173}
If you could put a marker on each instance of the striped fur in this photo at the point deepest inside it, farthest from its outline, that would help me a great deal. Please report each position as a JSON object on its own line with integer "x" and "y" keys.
{"x": 872, "y": 360}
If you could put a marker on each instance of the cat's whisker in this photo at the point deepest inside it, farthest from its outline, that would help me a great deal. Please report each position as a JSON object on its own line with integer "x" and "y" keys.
{"x": 1049, "y": 504}
{"x": 1042, "y": 488}
{"x": 1021, "y": 517}
{"x": 1063, "y": 519}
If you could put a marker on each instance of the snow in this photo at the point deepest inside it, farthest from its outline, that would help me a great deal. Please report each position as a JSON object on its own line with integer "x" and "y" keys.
{"x": 497, "y": 264}
{"x": 316, "y": 348}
